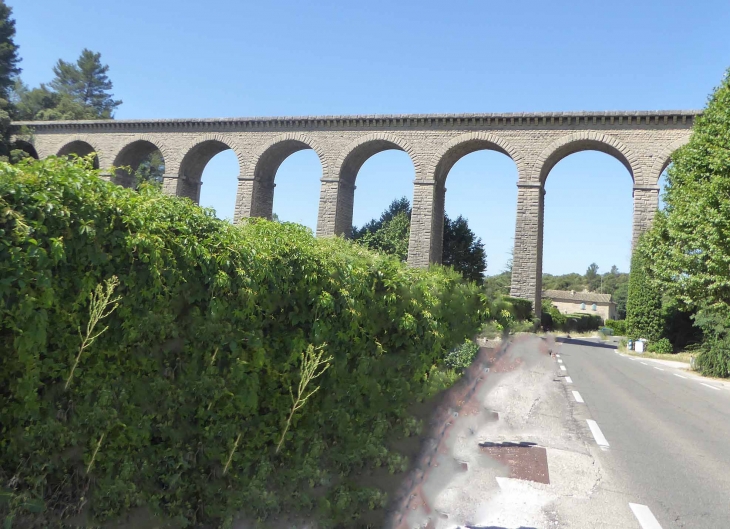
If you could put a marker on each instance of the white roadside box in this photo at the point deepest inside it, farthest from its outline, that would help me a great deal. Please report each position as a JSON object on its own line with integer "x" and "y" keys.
{"x": 639, "y": 345}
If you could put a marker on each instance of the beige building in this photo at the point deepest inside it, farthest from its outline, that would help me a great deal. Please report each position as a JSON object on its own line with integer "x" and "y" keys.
{"x": 572, "y": 302}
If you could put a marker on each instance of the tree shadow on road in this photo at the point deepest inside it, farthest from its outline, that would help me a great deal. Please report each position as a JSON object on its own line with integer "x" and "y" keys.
{"x": 585, "y": 343}
{"x": 495, "y": 527}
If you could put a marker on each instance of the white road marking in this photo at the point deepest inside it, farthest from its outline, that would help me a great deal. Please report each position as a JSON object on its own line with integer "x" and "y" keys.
{"x": 644, "y": 363}
{"x": 597, "y": 433}
{"x": 632, "y": 358}
{"x": 676, "y": 375}
{"x": 563, "y": 368}
{"x": 557, "y": 355}
{"x": 645, "y": 517}
{"x": 560, "y": 361}
{"x": 578, "y": 398}
{"x": 569, "y": 380}
{"x": 713, "y": 387}
{"x": 659, "y": 368}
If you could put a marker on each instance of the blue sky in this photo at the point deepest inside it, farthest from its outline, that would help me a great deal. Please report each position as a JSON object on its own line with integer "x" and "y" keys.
{"x": 253, "y": 58}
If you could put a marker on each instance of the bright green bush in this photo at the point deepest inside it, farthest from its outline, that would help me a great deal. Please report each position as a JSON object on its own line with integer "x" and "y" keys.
{"x": 662, "y": 346}
{"x": 461, "y": 356}
{"x": 618, "y": 326}
{"x": 193, "y": 374}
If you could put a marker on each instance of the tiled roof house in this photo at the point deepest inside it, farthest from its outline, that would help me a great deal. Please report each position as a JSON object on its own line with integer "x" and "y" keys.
{"x": 572, "y": 302}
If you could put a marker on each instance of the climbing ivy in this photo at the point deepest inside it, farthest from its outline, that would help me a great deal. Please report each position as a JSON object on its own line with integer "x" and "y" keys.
{"x": 178, "y": 406}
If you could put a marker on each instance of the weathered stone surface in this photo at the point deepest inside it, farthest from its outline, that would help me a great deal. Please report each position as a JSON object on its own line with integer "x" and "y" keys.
{"x": 642, "y": 141}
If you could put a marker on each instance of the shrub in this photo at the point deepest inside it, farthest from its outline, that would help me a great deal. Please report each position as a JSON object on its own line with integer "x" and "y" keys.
{"x": 177, "y": 407}
{"x": 521, "y": 309}
{"x": 461, "y": 356}
{"x": 618, "y": 326}
{"x": 581, "y": 323}
{"x": 662, "y": 346}
{"x": 551, "y": 317}
{"x": 714, "y": 357}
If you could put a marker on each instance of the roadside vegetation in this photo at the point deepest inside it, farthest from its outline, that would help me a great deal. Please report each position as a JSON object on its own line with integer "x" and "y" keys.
{"x": 156, "y": 357}
{"x": 678, "y": 291}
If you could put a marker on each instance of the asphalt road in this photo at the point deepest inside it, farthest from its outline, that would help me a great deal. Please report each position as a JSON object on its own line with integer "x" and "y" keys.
{"x": 668, "y": 435}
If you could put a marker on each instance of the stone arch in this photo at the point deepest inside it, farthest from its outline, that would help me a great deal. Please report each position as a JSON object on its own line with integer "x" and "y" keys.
{"x": 27, "y": 147}
{"x": 79, "y": 147}
{"x": 353, "y": 156}
{"x": 278, "y": 149}
{"x": 451, "y": 152}
{"x": 339, "y": 191}
{"x": 196, "y": 157}
{"x": 664, "y": 158}
{"x": 585, "y": 141}
{"x": 256, "y": 198}
{"x": 132, "y": 154}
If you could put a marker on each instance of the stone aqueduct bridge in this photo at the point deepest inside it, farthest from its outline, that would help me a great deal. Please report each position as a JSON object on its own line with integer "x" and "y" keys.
{"x": 642, "y": 141}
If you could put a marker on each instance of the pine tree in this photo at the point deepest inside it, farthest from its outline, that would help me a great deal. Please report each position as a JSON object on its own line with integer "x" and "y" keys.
{"x": 9, "y": 70}
{"x": 86, "y": 83}
{"x": 9, "y": 58}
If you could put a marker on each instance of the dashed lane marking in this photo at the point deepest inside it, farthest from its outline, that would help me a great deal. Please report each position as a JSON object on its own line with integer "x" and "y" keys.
{"x": 563, "y": 368}
{"x": 560, "y": 361}
{"x": 644, "y": 363}
{"x": 645, "y": 517}
{"x": 578, "y": 398}
{"x": 597, "y": 433}
{"x": 680, "y": 376}
{"x": 569, "y": 380}
{"x": 707, "y": 385}
{"x": 659, "y": 368}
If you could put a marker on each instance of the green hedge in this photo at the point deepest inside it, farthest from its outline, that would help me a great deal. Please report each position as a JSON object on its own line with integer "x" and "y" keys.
{"x": 521, "y": 309}
{"x": 662, "y": 346}
{"x": 581, "y": 322}
{"x": 618, "y": 326}
{"x": 198, "y": 360}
